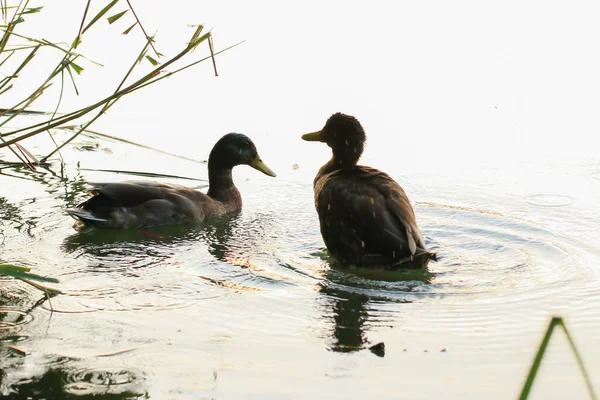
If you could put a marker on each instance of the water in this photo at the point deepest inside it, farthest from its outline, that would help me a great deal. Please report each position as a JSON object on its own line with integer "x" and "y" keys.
{"x": 500, "y": 170}
{"x": 248, "y": 306}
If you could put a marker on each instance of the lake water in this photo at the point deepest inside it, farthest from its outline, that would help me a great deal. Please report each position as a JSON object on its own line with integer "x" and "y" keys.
{"x": 483, "y": 114}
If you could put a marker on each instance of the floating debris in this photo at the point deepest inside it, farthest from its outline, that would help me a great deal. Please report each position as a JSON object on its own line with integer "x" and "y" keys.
{"x": 378, "y": 349}
{"x": 18, "y": 350}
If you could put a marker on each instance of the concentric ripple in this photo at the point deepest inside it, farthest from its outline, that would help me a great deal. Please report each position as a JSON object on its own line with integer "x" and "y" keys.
{"x": 481, "y": 253}
{"x": 550, "y": 200}
{"x": 94, "y": 382}
{"x": 11, "y": 318}
{"x": 487, "y": 261}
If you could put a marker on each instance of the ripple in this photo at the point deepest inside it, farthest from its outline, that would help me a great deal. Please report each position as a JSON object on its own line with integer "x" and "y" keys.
{"x": 484, "y": 257}
{"x": 11, "y": 318}
{"x": 92, "y": 382}
{"x": 550, "y": 200}
{"x": 490, "y": 265}
{"x": 144, "y": 296}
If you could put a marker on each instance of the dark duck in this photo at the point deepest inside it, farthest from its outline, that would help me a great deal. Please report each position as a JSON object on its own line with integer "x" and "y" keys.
{"x": 143, "y": 204}
{"x": 365, "y": 216}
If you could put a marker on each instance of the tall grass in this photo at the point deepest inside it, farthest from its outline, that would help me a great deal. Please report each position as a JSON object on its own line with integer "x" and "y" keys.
{"x": 537, "y": 361}
{"x": 30, "y": 278}
{"x": 14, "y": 44}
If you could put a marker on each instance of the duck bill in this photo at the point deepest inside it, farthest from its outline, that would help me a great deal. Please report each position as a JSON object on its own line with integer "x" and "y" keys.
{"x": 262, "y": 167}
{"x": 313, "y": 137}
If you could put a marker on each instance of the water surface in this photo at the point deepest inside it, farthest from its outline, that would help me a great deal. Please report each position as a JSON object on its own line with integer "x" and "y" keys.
{"x": 248, "y": 306}
{"x": 486, "y": 115}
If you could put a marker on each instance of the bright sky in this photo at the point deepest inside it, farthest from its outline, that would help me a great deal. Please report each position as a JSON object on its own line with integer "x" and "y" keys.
{"x": 463, "y": 77}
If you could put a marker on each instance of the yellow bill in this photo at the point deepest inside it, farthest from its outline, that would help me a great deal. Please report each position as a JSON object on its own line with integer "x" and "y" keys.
{"x": 313, "y": 137}
{"x": 261, "y": 166}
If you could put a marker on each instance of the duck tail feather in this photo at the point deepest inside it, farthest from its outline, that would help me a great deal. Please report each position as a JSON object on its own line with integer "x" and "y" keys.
{"x": 84, "y": 215}
{"x": 433, "y": 256}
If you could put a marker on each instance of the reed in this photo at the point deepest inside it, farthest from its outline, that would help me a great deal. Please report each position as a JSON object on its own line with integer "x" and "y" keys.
{"x": 556, "y": 321}
{"x": 13, "y": 44}
{"x": 32, "y": 279}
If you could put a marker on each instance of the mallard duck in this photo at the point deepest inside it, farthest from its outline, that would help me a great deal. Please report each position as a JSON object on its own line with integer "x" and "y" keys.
{"x": 142, "y": 204}
{"x": 365, "y": 216}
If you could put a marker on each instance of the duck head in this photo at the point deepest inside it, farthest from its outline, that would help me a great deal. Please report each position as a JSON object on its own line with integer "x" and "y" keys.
{"x": 236, "y": 149}
{"x": 345, "y": 135}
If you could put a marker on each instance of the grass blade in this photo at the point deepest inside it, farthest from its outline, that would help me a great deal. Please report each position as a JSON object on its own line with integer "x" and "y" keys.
{"x": 540, "y": 355}
{"x": 9, "y": 269}
{"x": 126, "y": 31}
{"x": 152, "y": 61}
{"x": 7, "y": 89}
{"x": 7, "y": 57}
{"x": 99, "y": 15}
{"x": 116, "y": 17}
{"x": 23, "y": 273}
{"x": 23, "y": 64}
{"x": 586, "y": 377}
{"x": 76, "y": 68}
{"x": 145, "y": 174}
{"x": 148, "y": 37}
{"x": 32, "y": 10}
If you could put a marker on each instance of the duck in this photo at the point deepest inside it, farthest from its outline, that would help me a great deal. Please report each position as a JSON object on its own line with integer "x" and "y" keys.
{"x": 144, "y": 204}
{"x": 365, "y": 217}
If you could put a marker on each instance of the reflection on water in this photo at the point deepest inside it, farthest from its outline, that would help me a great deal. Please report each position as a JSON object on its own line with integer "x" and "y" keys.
{"x": 254, "y": 294}
{"x": 349, "y": 316}
{"x": 353, "y": 300}
{"x": 62, "y": 380}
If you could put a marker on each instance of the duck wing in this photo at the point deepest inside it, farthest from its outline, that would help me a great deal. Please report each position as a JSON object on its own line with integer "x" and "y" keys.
{"x": 399, "y": 206}
{"x": 140, "y": 204}
{"x": 366, "y": 214}
{"x": 132, "y": 193}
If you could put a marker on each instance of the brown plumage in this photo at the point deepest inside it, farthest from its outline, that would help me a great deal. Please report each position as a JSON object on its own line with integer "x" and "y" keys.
{"x": 366, "y": 218}
{"x": 142, "y": 204}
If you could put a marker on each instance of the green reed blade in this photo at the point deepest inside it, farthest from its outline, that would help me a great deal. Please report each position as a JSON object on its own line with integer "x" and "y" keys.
{"x": 116, "y": 17}
{"x": 126, "y": 31}
{"x": 99, "y": 15}
{"x": 540, "y": 354}
{"x": 8, "y": 269}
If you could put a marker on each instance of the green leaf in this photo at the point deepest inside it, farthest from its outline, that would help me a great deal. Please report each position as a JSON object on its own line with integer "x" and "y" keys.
{"x": 99, "y": 15}
{"x": 8, "y": 269}
{"x": 76, "y": 42}
{"x": 152, "y": 61}
{"x": 556, "y": 321}
{"x": 126, "y": 31}
{"x": 23, "y": 273}
{"x": 34, "y": 277}
{"x": 196, "y": 33}
{"x": 32, "y": 10}
{"x": 7, "y": 89}
{"x": 7, "y": 57}
{"x": 73, "y": 81}
{"x": 194, "y": 43}
{"x": 116, "y": 17}
{"x": 141, "y": 57}
{"x": 76, "y": 68}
